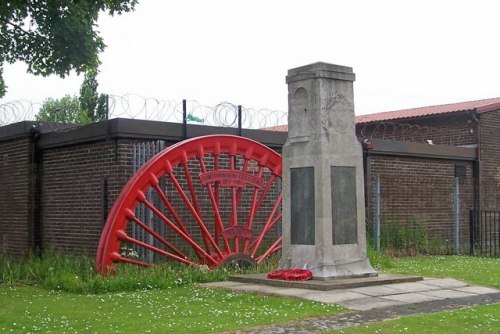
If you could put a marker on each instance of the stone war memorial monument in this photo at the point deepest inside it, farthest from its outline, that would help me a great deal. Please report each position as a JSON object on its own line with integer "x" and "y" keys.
{"x": 323, "y": 193}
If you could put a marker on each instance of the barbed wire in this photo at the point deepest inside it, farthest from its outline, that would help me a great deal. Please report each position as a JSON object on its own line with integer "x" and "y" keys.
{"x": 225, "y": 114}
{"x": 395, "y": 131}
{"x": 414, "y": 133}
{"x": 135, "y": 106}
{"x": 17, "y": 111}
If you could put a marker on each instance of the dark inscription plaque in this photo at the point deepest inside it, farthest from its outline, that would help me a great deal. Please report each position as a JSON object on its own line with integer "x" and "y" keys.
{"x": 302, "y": 202}
{"x": 344, "y": 209}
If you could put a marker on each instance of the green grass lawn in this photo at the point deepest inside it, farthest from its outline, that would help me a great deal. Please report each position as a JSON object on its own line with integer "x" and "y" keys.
{"x": 186, "y": 309}
{"x": 475, "y": 270}
{"x": 39, "y": 296}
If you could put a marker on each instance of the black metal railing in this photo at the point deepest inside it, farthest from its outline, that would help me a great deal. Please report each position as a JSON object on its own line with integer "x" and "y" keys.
{"x": 485, "y": 233}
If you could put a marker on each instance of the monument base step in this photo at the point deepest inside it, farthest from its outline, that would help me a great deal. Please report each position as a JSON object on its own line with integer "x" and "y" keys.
{"x": 325, "y": 285}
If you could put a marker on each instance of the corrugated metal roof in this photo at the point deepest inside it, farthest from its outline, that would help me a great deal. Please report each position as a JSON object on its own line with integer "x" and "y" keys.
{"x": 478, "y": 106}
{"x": 278, "y": 128}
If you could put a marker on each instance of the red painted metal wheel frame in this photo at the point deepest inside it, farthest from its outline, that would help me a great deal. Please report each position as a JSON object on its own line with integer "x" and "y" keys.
{"x": 218, "y": 185}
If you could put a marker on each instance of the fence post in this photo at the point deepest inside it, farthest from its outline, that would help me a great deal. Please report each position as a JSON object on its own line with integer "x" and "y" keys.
{"x": 456, "y": 224}
{"x": 239, "y": 120}
{"x": 107, "y": 106}
{"x": 184, "y": 120}
{"x": 471, "y": 232}
{"x": 377, "y": 214}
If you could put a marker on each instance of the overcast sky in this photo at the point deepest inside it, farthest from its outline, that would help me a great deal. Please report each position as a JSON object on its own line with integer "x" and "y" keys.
{"x": 404, "y": 53}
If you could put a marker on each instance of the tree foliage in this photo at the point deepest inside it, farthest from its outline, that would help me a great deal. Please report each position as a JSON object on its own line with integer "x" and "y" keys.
{"x": 89, "y": 107}
{"x": 92, "y": 104}
{"x": 2, "y": 85}
{"x": 65, "y": 110}
{"x": 54, "y": 36}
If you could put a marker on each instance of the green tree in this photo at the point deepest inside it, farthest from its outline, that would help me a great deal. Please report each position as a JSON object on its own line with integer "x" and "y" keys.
{"x": 54, "y": 36}
{"x": 65, "y": 110}
{"x": 89, "y": 107}
{"x": 2, "y": 84}
{"x": 92, "y": 104}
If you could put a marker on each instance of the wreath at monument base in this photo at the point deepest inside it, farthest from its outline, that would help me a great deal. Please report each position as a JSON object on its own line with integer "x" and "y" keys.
{"x": 291, "y": 274}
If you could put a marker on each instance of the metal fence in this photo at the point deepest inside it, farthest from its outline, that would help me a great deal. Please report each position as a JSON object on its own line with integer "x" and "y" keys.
{"x": 142, "y": 152}
{"x": 485, "y": 233}
{"x": 444, "y": 230}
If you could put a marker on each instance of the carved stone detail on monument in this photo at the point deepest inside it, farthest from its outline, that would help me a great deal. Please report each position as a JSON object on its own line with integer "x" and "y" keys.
{"x": 331, "y": 120}
{"x": 299, "y": 117}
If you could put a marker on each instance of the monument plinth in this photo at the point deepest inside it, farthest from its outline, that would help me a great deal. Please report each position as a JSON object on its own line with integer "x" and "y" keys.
{"x": 323, "y": 193}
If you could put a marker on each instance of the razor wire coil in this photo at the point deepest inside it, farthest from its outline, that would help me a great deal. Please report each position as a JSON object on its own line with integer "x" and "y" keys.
{"x": 134, "y": 106}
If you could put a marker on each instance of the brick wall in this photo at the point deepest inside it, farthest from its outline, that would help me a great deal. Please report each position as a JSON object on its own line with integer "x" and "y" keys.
{"x": 415, "y": 189}
{"x": 422, "y": 189}
{"x": 490, "y": 160}
{"x": 79, "y": 184}
{"x": 15, "y": 172}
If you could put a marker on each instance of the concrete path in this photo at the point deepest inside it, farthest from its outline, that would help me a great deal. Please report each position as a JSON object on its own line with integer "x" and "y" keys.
{"x": 373, "y": 303}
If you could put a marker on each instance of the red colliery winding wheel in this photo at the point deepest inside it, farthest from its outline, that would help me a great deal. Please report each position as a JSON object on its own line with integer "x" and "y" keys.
{"x": 206, "y": 201}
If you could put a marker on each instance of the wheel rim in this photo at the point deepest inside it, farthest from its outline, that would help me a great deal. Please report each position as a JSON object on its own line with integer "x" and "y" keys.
{"x": 209, "y": 200}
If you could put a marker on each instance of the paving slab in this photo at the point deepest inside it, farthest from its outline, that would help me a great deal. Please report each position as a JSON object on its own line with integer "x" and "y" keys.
{"x": 380, "y": 290}
{"x": 255, "y": 288}
{"x": 447, "y": 283}
{"x": 336, "y": 297}
{"x": 413, "y": 287}
{"x": 411, "y": 298}
{"x": 428, "y": 290}
{"x": 480, "y": 290}
{"x": 369, "y": 303}
{"x": 448, "y": 293}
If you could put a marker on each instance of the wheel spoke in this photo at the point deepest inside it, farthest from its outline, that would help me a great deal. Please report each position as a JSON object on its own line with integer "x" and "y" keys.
{"x": 276, "y": 246}
{"x": 158, "y": 237}
{"x": 217, "y": 230}
{"x": 205, "y": 233}
{"x": 269, "y": 223}
{"x": 118, "y": 258}
{"x": 265, "y": 191}
{"x": 142, "y": 199}
{"x": 190, "y": 182}
{"x": 171, "y": 209}
{"x": 124, "y": 237}
{"x": 234, "y": 205}
{"x": 267, "y": 228}
{"x": 253, "y": 209}
{"x": 215, "y": 207}
{"x": 156, "y": 185}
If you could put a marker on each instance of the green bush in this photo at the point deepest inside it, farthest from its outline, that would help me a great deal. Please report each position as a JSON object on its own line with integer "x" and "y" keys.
{"x": 379, "y": 260}
{"x": 410, "y": 239}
